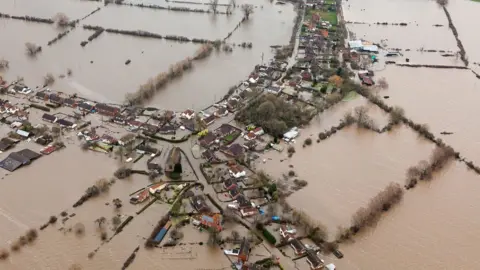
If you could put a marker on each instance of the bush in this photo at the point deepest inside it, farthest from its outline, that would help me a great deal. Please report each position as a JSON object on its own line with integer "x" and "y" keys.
{"x": 291, "y": 173}
{"x": 52, "y": 219}
{"x": 291, "y": 149}
{"x": 308, "y": 141}
{"x": 4, "y": 254}
{"x": 270, "y": 238}
{"x": 31, "y": 235}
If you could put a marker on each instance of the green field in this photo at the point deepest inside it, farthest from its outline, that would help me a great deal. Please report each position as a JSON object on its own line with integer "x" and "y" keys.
{"x": 330, "y": 16}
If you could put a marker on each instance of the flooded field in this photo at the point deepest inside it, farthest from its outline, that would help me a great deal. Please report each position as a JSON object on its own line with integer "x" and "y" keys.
{"x": 373, "y": 161}
{"x": 433, "y": 228}
{"x": 99, "y": 71}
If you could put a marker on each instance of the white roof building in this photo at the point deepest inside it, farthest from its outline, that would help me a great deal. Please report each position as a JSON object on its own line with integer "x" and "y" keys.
{"x": 291, "y": 134}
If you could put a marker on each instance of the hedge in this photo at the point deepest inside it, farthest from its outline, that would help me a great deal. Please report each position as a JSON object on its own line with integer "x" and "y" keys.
{"x": 270, "y": 238}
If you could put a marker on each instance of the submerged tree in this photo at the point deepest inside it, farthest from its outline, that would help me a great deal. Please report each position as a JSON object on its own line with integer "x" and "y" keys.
{"x": 442, "y": 2}
{"x": 61, "y": 19}
{"x": 214, "y": 5}
{"x": 247, "y": 10}
{"x": 49, "y": 79}
{"x": 100, "y": 221}
{"x": 3, "y": 63}
{"x": 32, "y": 48}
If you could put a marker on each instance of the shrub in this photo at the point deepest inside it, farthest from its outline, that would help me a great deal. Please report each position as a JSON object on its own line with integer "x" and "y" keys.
{"x": 270, "y": 238}
{"x": 308, "y": 141}
{"x": 104, "y": 236}
{"x": 15, "y": 246}
{"x": 291, "y": 173}
{"x": 52, "y": 219}
{"x": 31, "y": 235}
{"x": 291, "y": 149}
{"x": 4, "y": 254}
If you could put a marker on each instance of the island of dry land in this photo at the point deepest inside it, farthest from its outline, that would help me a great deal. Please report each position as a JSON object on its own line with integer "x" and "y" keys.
{"x": 257, "y": 180}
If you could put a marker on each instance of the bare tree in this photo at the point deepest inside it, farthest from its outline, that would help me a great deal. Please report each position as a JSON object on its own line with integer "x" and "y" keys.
{"x": 61, "y": 19}
{"x": 100, "y": 221}
{"x": 382, "y": 83}
{"x": 214, "y": 6}
{"x": 3, "y": 63}
{"x": 117, "y": 202}
{"x": 442, "y": 2}
{"x": 49, "y": 79}
{"x": 32, "y": 48}
{"x": 247, "y": 10}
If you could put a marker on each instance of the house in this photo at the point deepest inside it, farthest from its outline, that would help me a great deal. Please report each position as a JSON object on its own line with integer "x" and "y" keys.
{"x": 174, "y": 158}
{"x": 44, "y": 140}
{"x": 230, "y": 183}
{"x": 152, "y": 129}
{"x": 208, "y": 140}
{"x": 313, "y": 260}
{"x": 273, "y": 89}
{"x": 366, "y": 80}
{"x": 167, "y": 129}
{"x": 225, "y": 130}
{"x": 106, "y": 110}
{"x": 23, "y": 133}
{"x": 297, "y": 246}
{"x": 56, "y": 99}
{"x": 248, "y": 211}
{"x": 237, "y": 171}
{"x": 212, "y": 221}
{"x": 287, "y": 232}
{"x": 134, "y": 124}
{"x": 250, "y": 145}
{"x": 18, "y": 159}
{"x": 244, "y": 251}
{"x": 210, "y": 156}
{"x": 222, "y": 111}
{"x": 291, "y": 134}
{"x": 120, "y": 119}
{"x": 108, "y": 139}
{"x": 199, "y": 203}
{"x": 250, "y": 136}
{"x": 127, "y": 139}
{"x": 258, "y": 131}
{"x": 188, "y": 114}
{"x": 70, "y": 103}
{"x": 234, "y": 193}
{"x": 243, "y": 202}
{"x": 6, "y": 143}
{"x": 49, "y": 118}
{"x": 235, "y": 150}
{"x": 65, "y": 123}
{"x": 86, "y": 107}
{"x": 330, "y": 266}
{"x": 41, "y": 95}
{"x": 209, "y": 119}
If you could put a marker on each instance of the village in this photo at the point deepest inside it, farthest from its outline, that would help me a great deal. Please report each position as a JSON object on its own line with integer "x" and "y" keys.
{"x": 201, "y": 163}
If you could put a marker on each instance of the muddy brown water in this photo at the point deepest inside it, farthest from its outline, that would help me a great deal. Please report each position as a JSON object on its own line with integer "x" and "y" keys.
{"x": 109, "y": 79}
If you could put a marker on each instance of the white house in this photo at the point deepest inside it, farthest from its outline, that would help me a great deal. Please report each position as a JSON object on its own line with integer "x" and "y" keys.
{"x": 188, "y": 114}
{"x": 237, "y": 171}
{"x": 291, "y": 134}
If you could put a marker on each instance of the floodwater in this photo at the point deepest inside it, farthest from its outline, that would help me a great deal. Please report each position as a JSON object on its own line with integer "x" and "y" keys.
{"x": 99, "y": 70}
{"x": 346, "y": 177}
